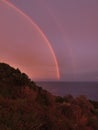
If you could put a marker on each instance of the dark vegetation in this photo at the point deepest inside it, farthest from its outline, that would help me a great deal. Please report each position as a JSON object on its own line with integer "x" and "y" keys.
{"x": 25, "y": 106}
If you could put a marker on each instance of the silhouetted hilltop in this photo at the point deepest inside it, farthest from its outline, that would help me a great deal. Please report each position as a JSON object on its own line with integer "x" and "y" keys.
{"x": 26, "y": 106}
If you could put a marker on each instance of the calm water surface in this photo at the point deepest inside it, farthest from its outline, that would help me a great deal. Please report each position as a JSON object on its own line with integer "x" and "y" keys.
{"x": 89, "y": 89}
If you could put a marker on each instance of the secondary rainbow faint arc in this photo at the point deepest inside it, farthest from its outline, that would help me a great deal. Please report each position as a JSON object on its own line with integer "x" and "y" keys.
{"x": 39, "y": 30}
{"x": 63, "y": 32}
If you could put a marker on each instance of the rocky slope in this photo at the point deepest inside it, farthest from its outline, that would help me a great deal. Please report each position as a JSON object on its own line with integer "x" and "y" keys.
{"x": 26, "y": 106}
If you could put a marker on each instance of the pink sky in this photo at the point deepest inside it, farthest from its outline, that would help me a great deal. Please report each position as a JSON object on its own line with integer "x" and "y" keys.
{"x": 71, "y": 28}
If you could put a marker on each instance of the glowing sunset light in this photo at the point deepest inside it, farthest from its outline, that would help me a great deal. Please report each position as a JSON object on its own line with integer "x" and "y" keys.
{"x": 18, "y": 50}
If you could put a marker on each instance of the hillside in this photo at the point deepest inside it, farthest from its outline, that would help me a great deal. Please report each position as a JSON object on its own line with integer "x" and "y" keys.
{"x": 26, "y": 106}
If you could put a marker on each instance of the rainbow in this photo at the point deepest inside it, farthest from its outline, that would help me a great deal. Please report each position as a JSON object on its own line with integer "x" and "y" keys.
{"x": 39, "y": 30}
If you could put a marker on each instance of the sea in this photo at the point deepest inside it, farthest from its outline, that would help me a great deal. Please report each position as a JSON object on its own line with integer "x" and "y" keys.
{"x": 88, "y": 89}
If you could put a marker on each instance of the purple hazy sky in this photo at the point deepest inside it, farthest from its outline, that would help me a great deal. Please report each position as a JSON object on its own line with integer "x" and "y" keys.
{"x": 71, "y": 27}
